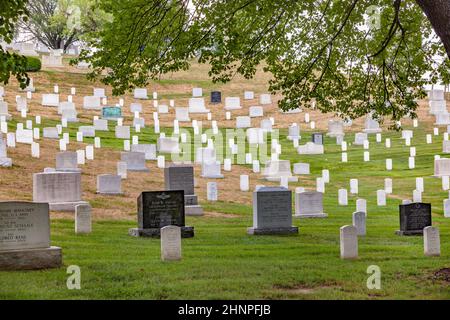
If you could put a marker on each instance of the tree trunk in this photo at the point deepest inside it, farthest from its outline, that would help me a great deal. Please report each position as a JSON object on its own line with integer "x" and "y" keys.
{"x": 438, "y": 12}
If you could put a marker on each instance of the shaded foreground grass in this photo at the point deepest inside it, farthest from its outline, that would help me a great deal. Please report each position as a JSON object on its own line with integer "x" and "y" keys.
{"x": 222, "y": 262}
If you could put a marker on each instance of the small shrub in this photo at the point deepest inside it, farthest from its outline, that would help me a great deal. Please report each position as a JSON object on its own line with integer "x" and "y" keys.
{"x": 33, "y": 64}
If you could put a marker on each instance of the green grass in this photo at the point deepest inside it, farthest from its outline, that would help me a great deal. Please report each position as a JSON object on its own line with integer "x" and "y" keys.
{"x": 223, "y": 262}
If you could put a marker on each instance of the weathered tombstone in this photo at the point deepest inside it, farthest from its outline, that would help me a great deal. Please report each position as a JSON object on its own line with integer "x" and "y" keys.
{"x": 274, "y": 170}
{"x": 232, "y": 103}
{"x": 249, "y": 95}
{"x": 309, "y": 205}
{"x": 25, "y": 237}
{"x": 83, "y": 218}
{"x": 359, "y": 222}
{"x": 157, "y": 209}
{"x": 109, "y": 184}
{"x": 111, "y": 113}
{"x": 92, "y": 103}
{"x": 294, "y": 132}
{"x": 4, "y": 111}
{"x": 168, "y": 145}
{"x": 101, "y": 125}
{"x": 148, "y": 149}
{"x": 50, "y": 100}
{"x": 197, "y": 105}
{"x": 256, "y": 111}
{"x": 181, "y": 177}
{"x": 342, "y": 197}
{"x": 211, "y": 191}
{"x": 51, "y": 133}
{"x": 67, "y": 161}
{"x": 62, "y": 190}
{"x": 349, "y": 242}
{"x": 243, "y": 122}
{"x": 361, "y": 205}
{"x": 211, "y": 170}
{"x": 310, "y": 148}
{"x": 371, "y": 125}
{"x": 88, "y": 131}
{"x": 123, "y": 132}
{"x": 170, "y": 243}
{"x": 442, "y": 167}
{"x": 140, "y": 93}
{"x": 122, "y": 169}
{"x": 182, "y": 114}
{"x": 381, "y": 197}
{"x": 301, "y": 168}
{"x": 272, "y": 212}
{"x": 431, "y": 241}
{"x": 99, "y": 92}
{"x": 265, "y": 99}
{"x": 4, "y": 160}
{"x": 414, "y": 218}
{"x": 360, "y": 138}
{"x": 335, "y": 128}
{"x": 135, "y": 161}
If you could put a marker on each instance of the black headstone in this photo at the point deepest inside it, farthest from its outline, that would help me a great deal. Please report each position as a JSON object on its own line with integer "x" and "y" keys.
{"x": 413, "y": 218}
{"x": 216, "y": 97}
{"x": 317, "y": 138}
{"x": 157, "y": 209}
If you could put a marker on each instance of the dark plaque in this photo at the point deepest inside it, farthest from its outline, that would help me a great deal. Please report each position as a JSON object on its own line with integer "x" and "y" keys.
{"x": 413, "y": 218}
{"x": 161, "y": 208}
{"x": 216, "y": 97}
{"x": 317, "y": 138}
{"x": 157, "y": 209}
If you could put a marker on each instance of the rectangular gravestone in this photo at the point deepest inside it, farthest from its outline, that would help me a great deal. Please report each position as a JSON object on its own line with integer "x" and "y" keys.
{"x": 135, "y": 161}
{"x": 25, "y": 237}
{"x": 431, "y": 241}
{"x": 349, "y": 242}
{"x": 181, "y": 177}
{"x": 83, "y": 218}
{"x": 414, "y": 218}
{"x": 101, "y": 125}
{"x": 62, "y": 190}
{"x": 109, "y": 184}
{"x": 67, "y": 161}
{"x": 309, "y": 205}
{"x": 272, "y": 212}
{"x": 157, "y": 209}
{"x": 171, "y": 243}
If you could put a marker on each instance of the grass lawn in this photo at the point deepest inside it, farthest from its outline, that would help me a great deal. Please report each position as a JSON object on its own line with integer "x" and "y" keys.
{"x": 223, "y": 262}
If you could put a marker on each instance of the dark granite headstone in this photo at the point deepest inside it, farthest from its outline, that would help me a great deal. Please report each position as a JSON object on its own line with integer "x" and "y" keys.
{"x": 413, "y": 218}
{"x": 157, "y": 209}
{"x": 216, "y": 97}
{"x": 317, "y": 138}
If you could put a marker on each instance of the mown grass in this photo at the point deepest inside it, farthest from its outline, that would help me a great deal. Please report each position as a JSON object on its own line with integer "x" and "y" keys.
{"x": 223, "y": 262}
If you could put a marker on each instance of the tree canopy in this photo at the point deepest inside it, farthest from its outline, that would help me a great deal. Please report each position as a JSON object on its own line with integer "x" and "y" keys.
{"x": 60, "y": 23}
{"x": 11, "y": 64}
{"x": 351, "y": 57}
